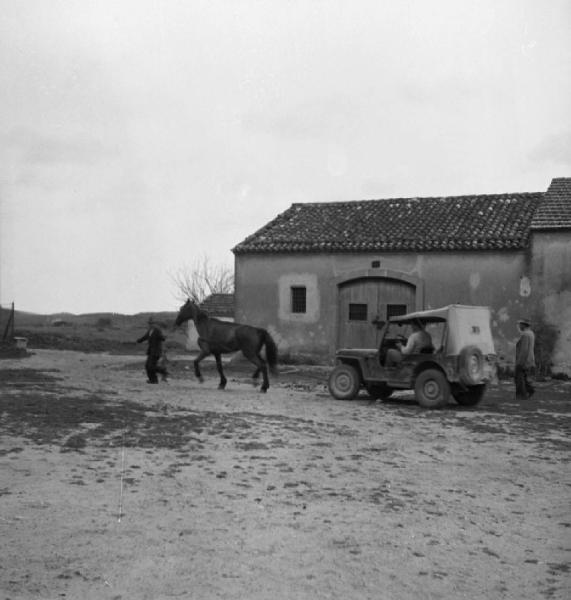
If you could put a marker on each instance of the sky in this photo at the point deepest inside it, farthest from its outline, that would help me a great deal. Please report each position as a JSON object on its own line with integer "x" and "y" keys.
{"x": 140, "y": 136}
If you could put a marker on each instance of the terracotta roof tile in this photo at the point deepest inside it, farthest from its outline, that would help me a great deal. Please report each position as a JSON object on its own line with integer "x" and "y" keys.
{"x": 555, "y": 210}
{"x": 483, "y": 222}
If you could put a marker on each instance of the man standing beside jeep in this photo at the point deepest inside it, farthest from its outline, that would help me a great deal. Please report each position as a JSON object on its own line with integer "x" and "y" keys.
{"x": 524, "y": 360}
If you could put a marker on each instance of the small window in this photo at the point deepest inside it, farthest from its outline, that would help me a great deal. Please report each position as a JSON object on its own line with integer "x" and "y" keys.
{"x": 395, "y": 310}
{"x": 357, "y": 312}
{"x": 298, "y": 299}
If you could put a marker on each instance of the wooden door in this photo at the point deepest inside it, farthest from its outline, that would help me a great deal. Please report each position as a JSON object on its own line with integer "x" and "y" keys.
{"x": 361, "y": 301}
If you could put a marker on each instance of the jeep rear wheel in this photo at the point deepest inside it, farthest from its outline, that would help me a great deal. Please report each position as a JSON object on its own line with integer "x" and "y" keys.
{"x": 344, "y": 382}
{"x": 379, "y": 391}
{"x": 431, "y": 389}
{"x": 471, "y": 396}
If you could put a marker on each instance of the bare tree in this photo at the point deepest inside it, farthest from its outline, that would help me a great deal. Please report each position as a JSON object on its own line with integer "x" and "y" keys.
{"x": 201, "y": 279}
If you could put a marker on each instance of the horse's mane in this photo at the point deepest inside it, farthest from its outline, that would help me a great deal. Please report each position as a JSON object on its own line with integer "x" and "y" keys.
{"x": 201, "y": 315}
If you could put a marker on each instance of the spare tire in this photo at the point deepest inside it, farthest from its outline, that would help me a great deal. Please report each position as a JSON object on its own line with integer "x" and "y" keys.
{"x": 471, "y": 365}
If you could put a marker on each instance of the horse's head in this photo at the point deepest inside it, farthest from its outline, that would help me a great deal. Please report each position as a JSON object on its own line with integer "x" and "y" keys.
{"x": 187, "y": 311}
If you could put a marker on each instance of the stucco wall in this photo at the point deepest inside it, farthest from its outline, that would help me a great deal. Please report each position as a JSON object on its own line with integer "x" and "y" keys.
{"x": 551, "y": 267}
{"x": 262, "y": 288}
{"x": 499, "y": 280}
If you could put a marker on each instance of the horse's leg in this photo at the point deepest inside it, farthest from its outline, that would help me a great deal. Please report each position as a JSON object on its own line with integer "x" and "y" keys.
{"x": 265, "y": 379}
{"x": 197, "y": 360}
{"x": 223, "y": 380}
{"x": 260, "y": 367}
{"x": 255, "y": 376}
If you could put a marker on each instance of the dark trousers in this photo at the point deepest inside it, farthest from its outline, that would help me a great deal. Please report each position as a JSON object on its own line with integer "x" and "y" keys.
{"x": 523, "y": 389}
{"x": 152, "y": 367}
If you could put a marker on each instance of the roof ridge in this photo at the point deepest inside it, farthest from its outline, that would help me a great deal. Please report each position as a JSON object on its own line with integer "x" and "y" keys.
{"x": 415, "y": 198}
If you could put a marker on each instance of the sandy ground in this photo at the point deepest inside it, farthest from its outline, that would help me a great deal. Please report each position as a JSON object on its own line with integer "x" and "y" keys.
{"x": 115, "y": 489}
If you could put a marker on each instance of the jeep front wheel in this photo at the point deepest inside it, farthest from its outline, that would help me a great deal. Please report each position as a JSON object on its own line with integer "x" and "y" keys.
{"x": 344, "y": 382}
{"x": 431, "y": 389}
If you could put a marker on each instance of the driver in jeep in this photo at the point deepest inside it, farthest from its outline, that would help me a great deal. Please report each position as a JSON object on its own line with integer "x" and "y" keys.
{"x": 419, "y": 341}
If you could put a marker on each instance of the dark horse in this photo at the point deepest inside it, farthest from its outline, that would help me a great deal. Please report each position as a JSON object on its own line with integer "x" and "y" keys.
{"x": 221, "y": 337}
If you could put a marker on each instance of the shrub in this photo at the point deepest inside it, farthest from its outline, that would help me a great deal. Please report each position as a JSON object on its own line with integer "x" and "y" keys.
{"x": 545, "y": 340}
{"x": 104, "y": 322}
{"x": 290, "y": 358}
{"x": 504, "y": 372}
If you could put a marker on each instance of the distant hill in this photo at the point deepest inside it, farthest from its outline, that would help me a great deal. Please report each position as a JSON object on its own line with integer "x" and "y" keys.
{"x": 26, "y": 319}
{"x": 92, "y": 332}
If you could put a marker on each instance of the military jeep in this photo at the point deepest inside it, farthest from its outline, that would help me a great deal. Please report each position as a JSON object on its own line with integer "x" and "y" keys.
{"x": 460, "y": 364}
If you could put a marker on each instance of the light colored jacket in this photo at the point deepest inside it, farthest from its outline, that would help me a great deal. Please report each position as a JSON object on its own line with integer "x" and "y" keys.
{"x": 524, "y": 350}
{"x": 417, "y": 342}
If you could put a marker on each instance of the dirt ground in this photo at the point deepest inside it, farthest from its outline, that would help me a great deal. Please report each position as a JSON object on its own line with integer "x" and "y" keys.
{"x": 115, "y": 489}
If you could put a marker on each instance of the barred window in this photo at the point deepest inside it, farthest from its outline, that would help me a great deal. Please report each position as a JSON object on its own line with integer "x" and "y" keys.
{"x": 298, "y": 299}
{"x": 395, "y": 310}
{"x": 357, "y": 312}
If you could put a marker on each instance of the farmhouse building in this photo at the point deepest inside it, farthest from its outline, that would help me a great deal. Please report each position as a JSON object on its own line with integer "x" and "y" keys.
{"x": 320, "y": 274}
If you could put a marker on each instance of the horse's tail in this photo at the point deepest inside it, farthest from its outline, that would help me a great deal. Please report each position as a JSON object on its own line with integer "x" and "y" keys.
{"x": 271, "y": 352}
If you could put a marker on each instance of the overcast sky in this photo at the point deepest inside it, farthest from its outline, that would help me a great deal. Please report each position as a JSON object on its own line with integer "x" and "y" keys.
{"x": 136, "y": 136}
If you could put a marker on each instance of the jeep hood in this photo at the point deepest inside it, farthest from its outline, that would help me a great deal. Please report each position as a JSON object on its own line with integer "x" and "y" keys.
{"x": 356, "y": 352}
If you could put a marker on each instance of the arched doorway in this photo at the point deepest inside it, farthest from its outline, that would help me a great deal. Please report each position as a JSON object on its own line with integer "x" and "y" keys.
{"x": 368, "y": 296}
